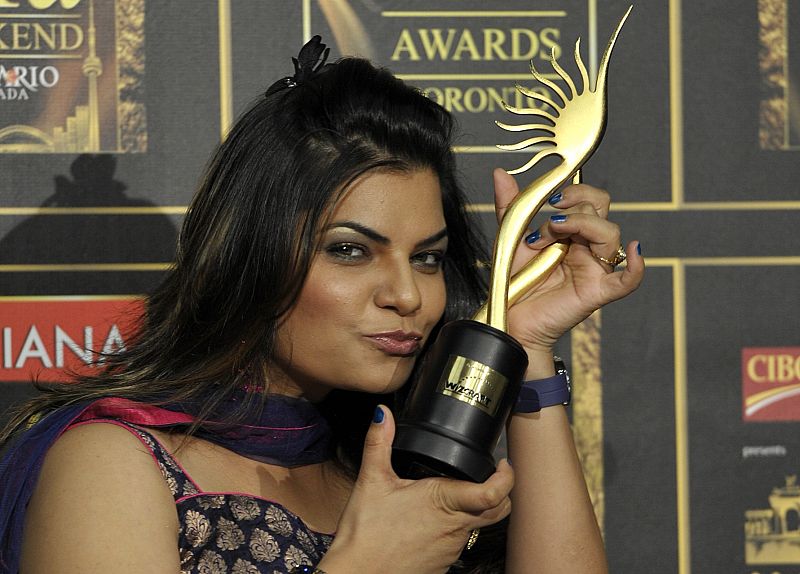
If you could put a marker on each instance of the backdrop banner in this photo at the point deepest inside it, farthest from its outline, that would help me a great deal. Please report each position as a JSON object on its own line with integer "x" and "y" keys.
{"x": 686, "y": 394}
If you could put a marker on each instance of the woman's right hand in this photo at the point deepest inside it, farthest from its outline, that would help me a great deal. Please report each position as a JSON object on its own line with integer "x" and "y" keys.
{"x": 401, "y": 526}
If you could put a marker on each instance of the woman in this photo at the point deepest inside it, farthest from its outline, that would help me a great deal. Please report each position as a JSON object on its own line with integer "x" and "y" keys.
{"x": 326, "y": 245}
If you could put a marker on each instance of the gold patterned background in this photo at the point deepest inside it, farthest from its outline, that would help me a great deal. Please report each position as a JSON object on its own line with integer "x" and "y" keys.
{"x": 698, "y": 155}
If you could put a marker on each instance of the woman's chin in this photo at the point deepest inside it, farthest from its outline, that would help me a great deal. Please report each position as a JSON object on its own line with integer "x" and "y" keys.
{"x": 388, "y": 381}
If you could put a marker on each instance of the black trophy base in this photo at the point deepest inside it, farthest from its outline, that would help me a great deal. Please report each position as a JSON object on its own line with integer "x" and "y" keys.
{"x": 459, "y": 405}
{"x": 419, "y": 452}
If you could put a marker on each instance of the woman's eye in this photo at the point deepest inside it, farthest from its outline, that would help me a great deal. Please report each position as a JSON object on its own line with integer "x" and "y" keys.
{"x": 429, "y": 260}
{"x": 347, "y": 251}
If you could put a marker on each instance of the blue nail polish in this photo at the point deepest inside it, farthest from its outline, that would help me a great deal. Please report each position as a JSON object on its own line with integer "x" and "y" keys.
{"x": 378, "y": 416}
{"x": 555, "y": 199}
{"x": 533, "y": 237}
{"x": 638, "y": 248}
{"x": 558, "y": 218}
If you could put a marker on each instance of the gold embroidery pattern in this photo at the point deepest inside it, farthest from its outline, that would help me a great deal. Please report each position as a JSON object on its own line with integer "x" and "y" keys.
{"x": 209, "y": 502}
{"x": 187, "y": 560}
{"x": 277, "y": 521}
{"x": 188, "y": 489}
{"x": 296, "y": 557}
{"x": 263, "y": 546}
{"x": 211, "y": 563}
{"x": 305, "y": 541}
{"x": 229, "y": 536}
{"x": 244, "y": 508}
{"x": 244, "y": 567}
{"x": 198, "y": 528}
{"x": 171, "y": 482}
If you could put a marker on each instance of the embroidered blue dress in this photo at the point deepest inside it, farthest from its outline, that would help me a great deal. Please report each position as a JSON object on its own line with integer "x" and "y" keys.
{"x": 232, "y": 533}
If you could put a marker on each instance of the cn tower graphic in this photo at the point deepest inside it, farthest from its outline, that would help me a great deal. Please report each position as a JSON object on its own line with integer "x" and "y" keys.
{"x": 93, "y": 67}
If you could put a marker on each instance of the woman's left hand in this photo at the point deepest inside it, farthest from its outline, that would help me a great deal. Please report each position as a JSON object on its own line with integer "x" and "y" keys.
{"x": 581, "y": 283}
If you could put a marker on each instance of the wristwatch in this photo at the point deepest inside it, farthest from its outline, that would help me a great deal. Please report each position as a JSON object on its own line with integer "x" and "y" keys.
{"x": 541, "y": 393}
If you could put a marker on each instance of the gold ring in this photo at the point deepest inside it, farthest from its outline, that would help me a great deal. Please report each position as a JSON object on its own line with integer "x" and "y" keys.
{"x": 618, "y": 258}
{"x": 473, "y": 537}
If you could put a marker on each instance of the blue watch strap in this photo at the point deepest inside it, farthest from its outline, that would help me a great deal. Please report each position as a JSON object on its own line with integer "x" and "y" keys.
{"x": 541, "y": 393}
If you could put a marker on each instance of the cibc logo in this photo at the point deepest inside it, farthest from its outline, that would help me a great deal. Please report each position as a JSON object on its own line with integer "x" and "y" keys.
{"x": 771, "y": 384}
{"x": 49, "y": 339}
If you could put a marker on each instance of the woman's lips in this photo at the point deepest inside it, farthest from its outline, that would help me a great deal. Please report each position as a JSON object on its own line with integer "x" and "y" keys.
{"x": 397, "y": 342}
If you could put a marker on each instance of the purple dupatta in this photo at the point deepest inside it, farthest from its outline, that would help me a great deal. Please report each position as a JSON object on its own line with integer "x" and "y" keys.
{"x": 289, "y": 432}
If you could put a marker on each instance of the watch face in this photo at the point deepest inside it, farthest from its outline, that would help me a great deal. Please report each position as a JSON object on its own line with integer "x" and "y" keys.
{"x": 561, "y": 369}
{"x": 560, "y": 366}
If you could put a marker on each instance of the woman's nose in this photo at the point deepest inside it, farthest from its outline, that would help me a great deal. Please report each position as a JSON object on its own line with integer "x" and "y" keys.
{"x": 399, "y": 291}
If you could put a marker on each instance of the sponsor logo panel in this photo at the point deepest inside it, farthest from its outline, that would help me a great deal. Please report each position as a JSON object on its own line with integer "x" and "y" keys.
{"x": 72, "y": 76}
{"x": 771, "y": 384}
{"x": 772, "y": 535}
{"x": 48, "y": 339}
{"x": 468, "y": 58}
{"x": 473, "y": 383}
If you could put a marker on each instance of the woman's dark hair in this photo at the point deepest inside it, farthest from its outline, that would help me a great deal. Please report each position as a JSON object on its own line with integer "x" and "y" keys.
{"x": 251, "y": 233}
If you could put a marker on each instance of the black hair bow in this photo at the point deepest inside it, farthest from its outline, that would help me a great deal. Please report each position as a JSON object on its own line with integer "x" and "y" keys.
{"x": 309, "y": 61}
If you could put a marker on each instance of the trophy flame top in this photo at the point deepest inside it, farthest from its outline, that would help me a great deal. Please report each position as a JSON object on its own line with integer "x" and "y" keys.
{"x": 573, "y": 131}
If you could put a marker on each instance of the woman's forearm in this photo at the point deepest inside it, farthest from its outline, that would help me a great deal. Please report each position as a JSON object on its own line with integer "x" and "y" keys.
{"x": 552, "y": 528}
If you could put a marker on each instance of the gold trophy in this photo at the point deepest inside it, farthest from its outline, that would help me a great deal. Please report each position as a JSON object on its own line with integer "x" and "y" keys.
{"x": 472, "y": 374}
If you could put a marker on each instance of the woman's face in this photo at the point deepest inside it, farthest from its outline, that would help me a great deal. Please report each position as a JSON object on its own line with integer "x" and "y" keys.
{"x": 374, "y": 291}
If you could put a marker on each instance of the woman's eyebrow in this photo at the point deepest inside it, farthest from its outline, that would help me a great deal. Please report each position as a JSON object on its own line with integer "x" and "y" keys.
{"x": 427, "y": 242}
{"x": 363, "y": 230}
{"x": 382, "y": 239}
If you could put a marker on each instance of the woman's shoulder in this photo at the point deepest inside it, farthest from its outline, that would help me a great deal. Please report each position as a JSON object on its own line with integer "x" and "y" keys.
{"x": 102, "y": 463}
{"x": 100, "y": 505}
{"x": 106, "y": 447}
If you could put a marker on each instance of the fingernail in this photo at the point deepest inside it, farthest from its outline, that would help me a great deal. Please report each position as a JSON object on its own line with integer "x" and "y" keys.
{"x": 555, "y": 199}
{"x": 533, "y": 237}
{"x": 378, "y": 416}
{"x": 638, "y": 248}
{"x": 558, "y": 218}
